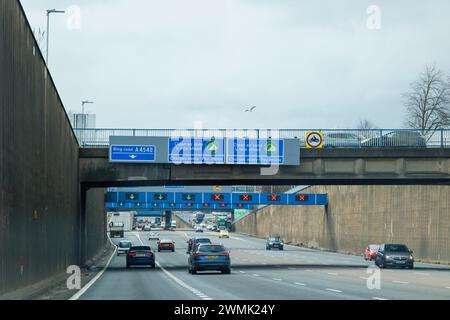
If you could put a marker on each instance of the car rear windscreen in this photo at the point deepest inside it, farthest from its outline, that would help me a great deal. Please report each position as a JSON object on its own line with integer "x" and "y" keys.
{"x": 203, "y": 241}
{"x": 396, "y": 248}
{"x": 140, "y": 248}
{"x": 125, "y": 244}
{"x": 212, "y": 248}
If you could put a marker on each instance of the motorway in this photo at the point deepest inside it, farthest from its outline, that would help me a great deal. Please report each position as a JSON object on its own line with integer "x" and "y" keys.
{"x": 257, "y": 274}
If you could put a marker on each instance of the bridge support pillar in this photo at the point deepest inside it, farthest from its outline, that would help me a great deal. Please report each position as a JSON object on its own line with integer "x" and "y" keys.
{"x": 168, "y": 219}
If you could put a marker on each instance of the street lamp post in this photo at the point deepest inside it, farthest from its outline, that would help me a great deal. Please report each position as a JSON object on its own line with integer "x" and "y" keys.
{"x": 50, "y": 11}
{"x": 83, "y": 117}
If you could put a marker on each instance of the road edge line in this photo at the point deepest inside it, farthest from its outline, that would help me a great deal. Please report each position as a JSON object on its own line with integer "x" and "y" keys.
{"x": 80, "y": 292}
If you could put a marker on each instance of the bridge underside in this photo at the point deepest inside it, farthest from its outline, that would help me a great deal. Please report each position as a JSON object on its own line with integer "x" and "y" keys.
{"x": 317, "y": 167}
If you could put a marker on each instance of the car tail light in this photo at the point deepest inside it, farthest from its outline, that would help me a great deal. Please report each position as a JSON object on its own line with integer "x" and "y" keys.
{"x": 198, "y": 254}
{"x": 170, "y": 244}
{"x": 149, "y": 254}
{"x": 226, "y": 254}
{"x": 132, "y": 253}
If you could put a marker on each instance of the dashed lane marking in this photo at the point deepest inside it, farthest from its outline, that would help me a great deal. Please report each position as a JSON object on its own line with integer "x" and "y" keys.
{"x": 378, "y": 298}
{"x": 299, "y": 283}
{"x": 177, "y": 280}
{"x": 401, "y": 282}
{"x": 333, "y": 290}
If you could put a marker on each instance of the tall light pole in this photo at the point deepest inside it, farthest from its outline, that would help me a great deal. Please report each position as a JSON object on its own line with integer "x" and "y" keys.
{"x": 50, "y": 11}
{"x": 83, "y": 117}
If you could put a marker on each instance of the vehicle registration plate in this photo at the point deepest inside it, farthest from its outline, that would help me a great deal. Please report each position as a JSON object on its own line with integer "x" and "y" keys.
{"x": 140, "y": 255}
{"x": 212, "y": 257}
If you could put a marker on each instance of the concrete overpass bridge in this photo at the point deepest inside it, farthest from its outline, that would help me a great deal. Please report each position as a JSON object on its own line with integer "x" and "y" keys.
{"x": 339, "y": 166}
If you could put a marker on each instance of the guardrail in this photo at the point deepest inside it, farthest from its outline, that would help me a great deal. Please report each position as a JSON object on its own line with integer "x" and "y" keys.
{"x": 332, "y": 138}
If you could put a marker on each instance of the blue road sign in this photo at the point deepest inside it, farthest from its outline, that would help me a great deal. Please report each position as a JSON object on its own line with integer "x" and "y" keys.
{"x": 255, "y": 151}
{"x": 184, "y": 150}
{"x": 119, "y": 153}
{"x": 172, "y": 200}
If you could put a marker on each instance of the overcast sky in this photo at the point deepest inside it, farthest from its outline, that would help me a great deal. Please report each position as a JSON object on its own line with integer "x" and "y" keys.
{"x": 304, "y": 64}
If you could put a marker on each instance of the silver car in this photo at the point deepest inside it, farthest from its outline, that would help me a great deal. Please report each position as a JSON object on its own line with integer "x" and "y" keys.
{"x": 123, "y": 247}
{"x": 341, "y": 139}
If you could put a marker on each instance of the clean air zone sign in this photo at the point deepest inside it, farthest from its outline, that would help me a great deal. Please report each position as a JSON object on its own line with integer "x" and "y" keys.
{"x": 314, "y": 140}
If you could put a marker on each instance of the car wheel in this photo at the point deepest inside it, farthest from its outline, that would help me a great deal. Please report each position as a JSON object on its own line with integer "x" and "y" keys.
{"x": 173, "y": 250}
{"x": 411, "y": 266}
{"x": 193, "y": 271}
{"x": 128, "y": 266}
{"x": 226, "y": 271}
{"x": 281, "y": 248}
{"x": 153, "y": 266}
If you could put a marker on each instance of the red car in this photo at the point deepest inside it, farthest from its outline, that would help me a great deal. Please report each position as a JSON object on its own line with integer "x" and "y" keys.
{"x": 371, "y": 251}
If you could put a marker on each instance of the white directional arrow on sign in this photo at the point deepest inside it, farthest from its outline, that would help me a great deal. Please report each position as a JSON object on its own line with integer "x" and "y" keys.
{"x": 132, "y": 156}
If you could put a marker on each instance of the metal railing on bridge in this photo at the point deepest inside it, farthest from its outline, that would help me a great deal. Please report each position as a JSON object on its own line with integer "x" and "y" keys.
{"x": 332, "y": 138}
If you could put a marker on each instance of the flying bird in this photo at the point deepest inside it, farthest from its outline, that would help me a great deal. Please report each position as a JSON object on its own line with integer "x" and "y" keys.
{"x": 251, "y": 109}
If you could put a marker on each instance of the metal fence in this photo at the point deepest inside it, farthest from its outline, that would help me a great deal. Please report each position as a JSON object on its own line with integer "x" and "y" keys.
{"x": 332, "y": 138}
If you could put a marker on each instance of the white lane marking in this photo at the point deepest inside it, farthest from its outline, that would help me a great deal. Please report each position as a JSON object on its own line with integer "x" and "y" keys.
{"x": 242, "y": 271}
{"x": 401, "y": 282}
{"x": 177, "y": 280}
{"x": 77, "y": 295}
{"x": 364, "y": 278}
{"x": 333, "y": 290}
{"x": 422, "y": 273}
{"x": 300, "y": 284}
{"x": 277, "y": 279}
{"x": 332, "y": 274}
{"x": 447, "y": 287}
{"x": 256, "y": 275}
{"x": 378, "y": 298}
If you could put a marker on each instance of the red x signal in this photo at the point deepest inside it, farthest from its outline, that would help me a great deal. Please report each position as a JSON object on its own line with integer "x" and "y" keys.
{"x": 274, "y": 197}
{"x": 245, "y": 197}
{"x": 302, "y": 197}
{"x": 217, "y": 197}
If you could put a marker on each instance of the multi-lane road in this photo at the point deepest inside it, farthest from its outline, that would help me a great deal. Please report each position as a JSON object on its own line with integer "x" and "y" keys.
{"x": 258, "y": 274}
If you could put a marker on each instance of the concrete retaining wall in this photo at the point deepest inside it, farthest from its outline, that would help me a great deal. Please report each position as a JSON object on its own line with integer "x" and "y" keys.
{"x": 358, "y": 215}
{"x": 40, "y": 220}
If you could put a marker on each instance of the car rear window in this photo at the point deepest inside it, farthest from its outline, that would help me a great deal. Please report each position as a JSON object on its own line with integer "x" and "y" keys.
{"x": 396, "y": 248}
{"x": 140, "y": 248}
{"x": 125, "y": 244}
{"x": 212, "y": 248}
{"x": 203, "y": 241}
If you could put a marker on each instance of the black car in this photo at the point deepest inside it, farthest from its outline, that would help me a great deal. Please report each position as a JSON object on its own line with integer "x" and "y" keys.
{"x": 140, "y": 255}
{"x": 195, "y": 241}
{"x": 274, "y": 242}
{"x": 209, "y": 257}
{"x": 394, "y": 255}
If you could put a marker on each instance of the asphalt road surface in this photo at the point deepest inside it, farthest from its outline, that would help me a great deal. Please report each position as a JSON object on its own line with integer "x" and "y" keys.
{"x": 258, "y": 274}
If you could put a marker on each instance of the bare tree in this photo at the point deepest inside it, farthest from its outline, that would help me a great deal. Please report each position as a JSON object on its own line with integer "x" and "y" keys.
{"x": 428, "y": 103}
{"x": 40, "y": 38}
{"x": 367, "y": 128}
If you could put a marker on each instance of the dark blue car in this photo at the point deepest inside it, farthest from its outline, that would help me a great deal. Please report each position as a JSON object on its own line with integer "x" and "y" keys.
{"x": 209, "y": 257}
{"x": 140, "y": 255}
